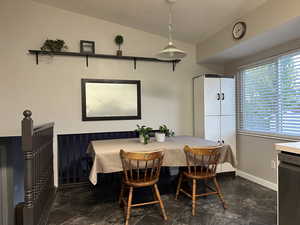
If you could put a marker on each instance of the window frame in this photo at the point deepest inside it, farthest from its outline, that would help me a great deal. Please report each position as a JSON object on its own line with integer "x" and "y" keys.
{"x": 239, "y": 114}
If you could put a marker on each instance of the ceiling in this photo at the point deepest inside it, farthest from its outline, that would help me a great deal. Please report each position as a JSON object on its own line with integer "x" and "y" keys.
{"x": 194, "y": 20}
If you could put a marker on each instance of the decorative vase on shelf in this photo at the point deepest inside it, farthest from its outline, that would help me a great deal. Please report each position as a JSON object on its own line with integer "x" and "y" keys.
{"x": 160, "y": 137}
{"x": 119, "y": 41}
{"x": 119, "y": 53}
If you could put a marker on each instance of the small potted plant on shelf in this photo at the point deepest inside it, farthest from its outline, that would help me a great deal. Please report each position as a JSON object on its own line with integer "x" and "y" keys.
{"x": 164, "y": 132}
{"x": 144, "y": 133}
{"x": 54, "y": 45}
{"x": 119, "y": 41}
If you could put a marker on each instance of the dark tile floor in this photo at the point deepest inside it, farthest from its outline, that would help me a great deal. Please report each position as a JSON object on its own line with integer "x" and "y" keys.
{"x": 249, "y": 204}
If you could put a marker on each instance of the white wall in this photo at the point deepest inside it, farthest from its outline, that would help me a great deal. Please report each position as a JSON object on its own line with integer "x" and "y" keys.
{"x": 52, "y": 88}
{"x": 283, "y": 48}
{"x": 270, "y": 15}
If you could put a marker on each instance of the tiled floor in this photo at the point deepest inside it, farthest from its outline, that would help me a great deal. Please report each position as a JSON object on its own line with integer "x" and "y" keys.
{"x": 249, "y": 204}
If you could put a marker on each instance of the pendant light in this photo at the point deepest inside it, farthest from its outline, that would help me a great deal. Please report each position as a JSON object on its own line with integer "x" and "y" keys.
{"x": 170, "y": 52}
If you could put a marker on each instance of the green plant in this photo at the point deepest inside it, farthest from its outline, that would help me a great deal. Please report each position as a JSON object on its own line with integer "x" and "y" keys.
{"x": 54, "y": 45}
{"x": 164, "y": 129}
{"x": 144, "y": 132}
{"x": 119, "y": 40}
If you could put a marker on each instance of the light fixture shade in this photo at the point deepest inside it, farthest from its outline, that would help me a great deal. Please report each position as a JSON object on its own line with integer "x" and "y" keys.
{"x": 170, "y": 52}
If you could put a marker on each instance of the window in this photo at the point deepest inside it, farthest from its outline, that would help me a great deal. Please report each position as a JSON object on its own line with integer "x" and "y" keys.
{"x": 269, "y": 96}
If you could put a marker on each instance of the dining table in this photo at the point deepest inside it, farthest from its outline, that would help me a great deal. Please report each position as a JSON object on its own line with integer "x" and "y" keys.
{"x": 106, "y": 153}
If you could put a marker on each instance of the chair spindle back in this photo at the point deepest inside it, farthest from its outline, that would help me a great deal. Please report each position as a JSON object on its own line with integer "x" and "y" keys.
{"x": 141, "y": 166}
{"x": 202, "y": 161}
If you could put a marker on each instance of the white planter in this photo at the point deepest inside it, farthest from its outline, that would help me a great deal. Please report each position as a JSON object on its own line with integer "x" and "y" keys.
{"x": 142, "y": 139}
{"x": 160, "y": 137}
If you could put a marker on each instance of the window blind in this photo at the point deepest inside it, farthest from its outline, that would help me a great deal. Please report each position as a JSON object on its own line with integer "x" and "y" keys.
{"x": 269, "y": 96}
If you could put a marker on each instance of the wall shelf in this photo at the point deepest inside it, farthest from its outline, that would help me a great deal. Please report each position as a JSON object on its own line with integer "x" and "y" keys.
{"x": 103, "y": 56}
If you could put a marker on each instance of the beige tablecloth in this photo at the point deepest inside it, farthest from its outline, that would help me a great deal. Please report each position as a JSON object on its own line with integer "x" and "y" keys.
{"x": 107, "y": 159}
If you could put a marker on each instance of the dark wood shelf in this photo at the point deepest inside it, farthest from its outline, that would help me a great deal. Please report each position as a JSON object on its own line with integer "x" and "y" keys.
{"x": 103, "y": 56}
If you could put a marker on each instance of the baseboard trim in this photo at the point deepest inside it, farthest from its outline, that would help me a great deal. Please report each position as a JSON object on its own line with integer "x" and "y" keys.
{"x": 74, "y": 185}
{"x": 227, "y": 174}
{"x": 257, "y": 180}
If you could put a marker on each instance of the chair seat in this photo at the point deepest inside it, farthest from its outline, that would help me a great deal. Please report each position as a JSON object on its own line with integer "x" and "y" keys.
{"x": 140, "y": 182}
{"x": 199, "y": 174}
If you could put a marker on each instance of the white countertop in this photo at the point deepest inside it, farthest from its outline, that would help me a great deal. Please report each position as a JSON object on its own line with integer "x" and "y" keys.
{"x": 293, "y": 147}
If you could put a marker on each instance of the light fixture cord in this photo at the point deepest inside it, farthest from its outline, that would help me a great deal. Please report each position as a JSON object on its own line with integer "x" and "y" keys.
{"x": 170, "y": 23}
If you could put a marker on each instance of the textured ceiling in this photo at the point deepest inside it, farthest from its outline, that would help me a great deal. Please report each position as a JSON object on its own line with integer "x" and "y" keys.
{"x": 194, "y": 20}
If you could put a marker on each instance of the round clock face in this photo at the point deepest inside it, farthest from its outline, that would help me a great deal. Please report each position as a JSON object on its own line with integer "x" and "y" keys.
{"x": 239, "y": 30}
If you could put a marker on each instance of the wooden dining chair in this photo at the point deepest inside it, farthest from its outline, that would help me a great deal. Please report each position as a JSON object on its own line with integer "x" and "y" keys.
{"x": 201, "y": 165}
{"x": 140, "y": 169}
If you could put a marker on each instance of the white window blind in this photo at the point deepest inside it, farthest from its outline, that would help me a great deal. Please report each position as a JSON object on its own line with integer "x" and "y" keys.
{"x": 269, "y": 97}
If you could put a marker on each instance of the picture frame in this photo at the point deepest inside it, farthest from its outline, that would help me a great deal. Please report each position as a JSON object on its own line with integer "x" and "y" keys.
{"x": 87, "y": 47}
{"x": 105, "y": 99}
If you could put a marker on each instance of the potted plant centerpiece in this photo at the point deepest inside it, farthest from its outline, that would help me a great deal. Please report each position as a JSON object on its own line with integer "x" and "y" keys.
{"x": 164, "y": 132}
{"x": 144, "y": 133}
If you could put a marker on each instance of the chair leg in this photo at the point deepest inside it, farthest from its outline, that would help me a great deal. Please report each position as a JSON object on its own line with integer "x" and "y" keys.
{"x": 154, "y": 194}
{"x": 121, "y": 194}
{"x": 178, "y": 186}
{"x": 160, "y": 202}
{"x": 194, "y": 197}
{"x": 205, "y": 185}
{"x": 220, "y": 193}
{"x": 129, "y": 206}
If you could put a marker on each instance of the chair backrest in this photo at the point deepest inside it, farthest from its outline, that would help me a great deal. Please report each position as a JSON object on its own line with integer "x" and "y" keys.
{"x": 141, "y": 166}
{"x": 202, "y": 160}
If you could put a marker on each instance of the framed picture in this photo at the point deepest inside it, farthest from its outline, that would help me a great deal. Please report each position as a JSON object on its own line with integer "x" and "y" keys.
{"x": 110, "y": 99}
{"x": 87, "y": 47}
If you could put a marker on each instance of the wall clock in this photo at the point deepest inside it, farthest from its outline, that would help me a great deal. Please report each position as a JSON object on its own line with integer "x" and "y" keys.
{"x": 239, "y": 30}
